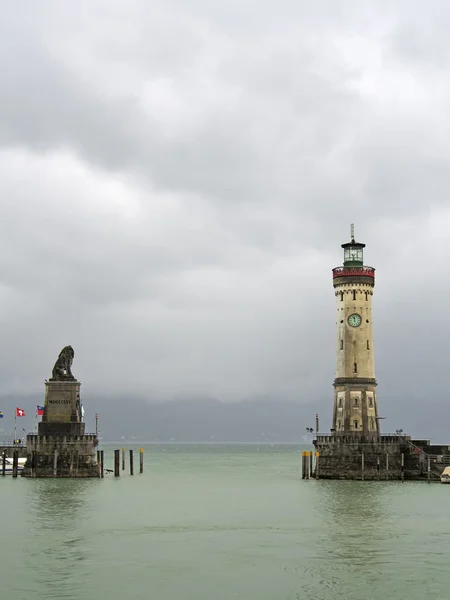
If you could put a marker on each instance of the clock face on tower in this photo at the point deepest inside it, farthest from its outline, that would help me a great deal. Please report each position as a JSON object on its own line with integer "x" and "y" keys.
{"x": 354, "y": 320}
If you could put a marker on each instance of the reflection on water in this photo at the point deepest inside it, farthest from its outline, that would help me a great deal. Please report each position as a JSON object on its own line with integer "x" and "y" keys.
{"x": 357, "y": 521}
{"x": 56, "y": 502}
{"x": 58, "y": 509}
{"x": 233, "y": 523}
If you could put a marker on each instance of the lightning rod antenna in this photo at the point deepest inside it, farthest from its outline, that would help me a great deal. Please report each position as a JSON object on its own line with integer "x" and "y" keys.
{"x": 352, "y": 232}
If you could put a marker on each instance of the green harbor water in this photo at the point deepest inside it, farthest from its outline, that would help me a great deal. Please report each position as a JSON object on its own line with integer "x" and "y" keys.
{"x": 223, "y": 522}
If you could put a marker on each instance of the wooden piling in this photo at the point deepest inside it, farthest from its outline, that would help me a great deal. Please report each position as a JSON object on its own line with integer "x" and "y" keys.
{"x": 131, "y": 463}
{"x": 15, "y": 462}
{"x": 4, "y": 464}
{"x": 378, "y": 467}
{"x": 33, "y": 462}
{"x": 429, "y": 469}
{"x": 141, "y": 460}
{"x": 317, "y": 465}
{"x": 362, "y": 466}
{"x": 402, "y": 471}
{"x": 99, "y": 466}
{"x": 303, "y": 466}
{"x": 116, "y": 463}
{"x": 55, "y": 464}
{"x": 102, "y": 463}
{"x": 123, "y": 459}
{"x": 387, "y": 465}
{"x": 310, "y": 465}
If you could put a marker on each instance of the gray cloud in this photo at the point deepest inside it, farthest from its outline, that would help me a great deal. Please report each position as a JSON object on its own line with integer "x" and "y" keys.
{"x": 176, "y": 182}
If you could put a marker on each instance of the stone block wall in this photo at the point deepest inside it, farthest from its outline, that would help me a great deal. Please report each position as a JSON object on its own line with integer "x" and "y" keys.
{"x": 340, "y": 459}
{"x": 75, "y": 456}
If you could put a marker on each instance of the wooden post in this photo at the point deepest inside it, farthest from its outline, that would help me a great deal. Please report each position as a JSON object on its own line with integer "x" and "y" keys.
{"x": 317, "y": 465}
{"x": 362, "y": 466}
{"x": 131, "y": 463}
{"x": 55, "y": 463}
{"x": 402, "y": 473}
{"x": 387, "y": 465}
{"x": 378, "y": 467}
{"x": 303, "y": 466}
{"x": 310, "y": 464}
{"x": 102, "y": 463}
{"x": 33, "y": 463}
{"x": 141, "y": 460}
{"x": 116, "y": 463}
{"x": 123, "y": 459}
{"x": 429, "y": 469}
{"x": 15, "y": 462}
{"x": 4, "y": 464}
{"x": 99, "y": 466}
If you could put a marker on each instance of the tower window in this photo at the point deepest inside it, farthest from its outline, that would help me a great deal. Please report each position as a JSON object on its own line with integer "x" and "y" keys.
{"x": 342, "y": 344}
{"x": 367, "y": 296}
{"x": 354, "y": 294}
{"x": 340, "y": 402}
{"x": 370, "y": 401}
{"x": 355, "y": 423}
{"x": 368, "y": 345}
{"x": 355, "y": 367}
{"x": 355, "y": 402}
{"x": 372, "y": 423}
{"x": 339, "y": 425}
{"x": 342, "y": 296}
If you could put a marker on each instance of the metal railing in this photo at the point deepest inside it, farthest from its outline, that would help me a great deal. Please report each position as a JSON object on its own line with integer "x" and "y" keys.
{"x": 353, "y": 271}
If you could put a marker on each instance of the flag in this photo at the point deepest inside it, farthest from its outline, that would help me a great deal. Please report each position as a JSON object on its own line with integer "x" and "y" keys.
{"x": 20, "y": 412}
{"x": 39, "y": 410}
{"x": 1, "y": 415}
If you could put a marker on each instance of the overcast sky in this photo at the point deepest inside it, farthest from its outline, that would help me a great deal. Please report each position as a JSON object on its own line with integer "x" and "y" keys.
{"x": 177, "y": 178}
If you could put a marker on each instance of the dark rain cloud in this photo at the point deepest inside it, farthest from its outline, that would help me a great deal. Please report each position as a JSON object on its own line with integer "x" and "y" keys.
{"x": 177, "y": 179}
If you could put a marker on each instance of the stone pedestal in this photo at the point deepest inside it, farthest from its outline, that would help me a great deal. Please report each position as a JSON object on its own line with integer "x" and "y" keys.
{"x": 61, "y": 447}
{"x": 62, "y": 403}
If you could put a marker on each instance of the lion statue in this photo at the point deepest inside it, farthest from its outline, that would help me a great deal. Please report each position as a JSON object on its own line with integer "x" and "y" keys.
{"x": 62, "y": 369}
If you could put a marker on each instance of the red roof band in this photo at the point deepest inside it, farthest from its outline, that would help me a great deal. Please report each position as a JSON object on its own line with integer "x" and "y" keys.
{"x": 352, "y": 271}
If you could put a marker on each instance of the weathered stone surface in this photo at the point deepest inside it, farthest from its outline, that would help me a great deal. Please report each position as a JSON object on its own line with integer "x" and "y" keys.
{"x": 62, "y": 404}
{"x": 76, "y": 456}
{"x": 341, "y": 458}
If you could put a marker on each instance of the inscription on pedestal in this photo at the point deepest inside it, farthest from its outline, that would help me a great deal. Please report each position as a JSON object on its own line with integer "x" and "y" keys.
{"x": 62, "y": 402}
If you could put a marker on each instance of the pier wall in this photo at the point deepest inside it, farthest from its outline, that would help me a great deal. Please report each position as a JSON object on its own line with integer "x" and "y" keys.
{"x": 61, "y": 456}
{"x": 9, "y": 449}
{"x": 382, "y": 458}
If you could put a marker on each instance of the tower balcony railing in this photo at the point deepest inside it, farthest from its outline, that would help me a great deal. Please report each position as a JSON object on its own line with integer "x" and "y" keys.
{"x": 353, "y": 271}
{"x": 359, "y": 437}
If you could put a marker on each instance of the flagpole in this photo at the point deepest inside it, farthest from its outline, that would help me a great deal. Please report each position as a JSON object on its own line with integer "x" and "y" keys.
{"x": 36, "y": 428}
{"x": 15, "y": 426}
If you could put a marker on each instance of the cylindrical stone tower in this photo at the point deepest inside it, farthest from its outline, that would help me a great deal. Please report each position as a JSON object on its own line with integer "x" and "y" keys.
{"x": 355, "y": 406}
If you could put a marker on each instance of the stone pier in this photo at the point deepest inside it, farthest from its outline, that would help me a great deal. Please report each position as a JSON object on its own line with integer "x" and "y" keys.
{"x": 61, "y": 448}
{"x": 385, "y": 457}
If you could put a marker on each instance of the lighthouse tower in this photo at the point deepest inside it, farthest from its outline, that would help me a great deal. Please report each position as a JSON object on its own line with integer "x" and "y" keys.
{"x": 355, "y": 404}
